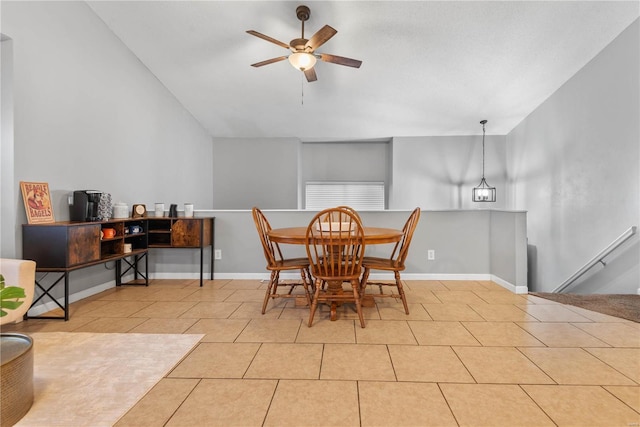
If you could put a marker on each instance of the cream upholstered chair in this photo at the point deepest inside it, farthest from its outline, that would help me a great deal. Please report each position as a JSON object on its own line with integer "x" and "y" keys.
{"x": 394, "y": 263}
{"x": 20, "y": 273}
{"x": 276, "y": 263}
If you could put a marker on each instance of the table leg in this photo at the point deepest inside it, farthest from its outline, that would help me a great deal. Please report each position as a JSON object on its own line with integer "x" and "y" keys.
{"x": 334, "y": 287}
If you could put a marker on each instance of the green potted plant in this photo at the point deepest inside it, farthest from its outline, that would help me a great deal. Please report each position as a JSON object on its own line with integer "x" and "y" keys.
{"x": 9, "y": 297}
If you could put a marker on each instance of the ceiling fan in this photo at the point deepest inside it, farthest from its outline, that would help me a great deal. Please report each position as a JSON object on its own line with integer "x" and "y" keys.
{"x": 303, "y": 54}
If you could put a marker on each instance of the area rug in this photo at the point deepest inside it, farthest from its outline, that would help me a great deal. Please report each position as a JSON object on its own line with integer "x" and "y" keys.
{"x": 89, "y": 379}
{"x": 624, "y": 306}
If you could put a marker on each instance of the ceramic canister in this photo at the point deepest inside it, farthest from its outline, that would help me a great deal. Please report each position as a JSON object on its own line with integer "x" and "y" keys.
{"x": 120, "y": 210}
{"x": 159, "y": 209}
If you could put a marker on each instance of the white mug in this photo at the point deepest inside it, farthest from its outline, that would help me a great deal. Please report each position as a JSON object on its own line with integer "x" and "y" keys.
{"x": 188, "y": 210}
{"x": 159, "y": 209}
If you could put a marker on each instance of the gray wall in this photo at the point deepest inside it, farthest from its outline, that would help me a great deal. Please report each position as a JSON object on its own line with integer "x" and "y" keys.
{"x": 468, "y": 244}
{"x": 89, "y": 115}
{"x": 435, "y": 172}
{"x": 574, "y": 166}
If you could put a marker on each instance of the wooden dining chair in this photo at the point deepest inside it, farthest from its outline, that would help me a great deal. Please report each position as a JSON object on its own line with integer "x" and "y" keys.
{"x": 276, "y": 263}
{"x": 335, "y": 252}
{"x": 394, "y": 263}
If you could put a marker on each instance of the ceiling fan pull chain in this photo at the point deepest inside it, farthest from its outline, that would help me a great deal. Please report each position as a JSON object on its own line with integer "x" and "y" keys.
{"x": 302, "y": 90}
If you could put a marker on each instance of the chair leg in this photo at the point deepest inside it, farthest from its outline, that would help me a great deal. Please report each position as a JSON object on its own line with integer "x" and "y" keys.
{"x": 355, "y": 285}
{"x": 363, "y": 281}
{"x": 314, "y": 304}
{"x": 306, "y": 286}
{"x": 273, "y": 279}
{"x": 401, "y": 292}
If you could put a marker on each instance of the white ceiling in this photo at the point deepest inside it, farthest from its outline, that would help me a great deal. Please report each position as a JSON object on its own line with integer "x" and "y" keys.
{"x": 429, "y": 68}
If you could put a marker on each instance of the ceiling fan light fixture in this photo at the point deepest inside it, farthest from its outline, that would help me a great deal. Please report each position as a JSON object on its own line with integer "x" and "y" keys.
{"x": 302, "y": 60}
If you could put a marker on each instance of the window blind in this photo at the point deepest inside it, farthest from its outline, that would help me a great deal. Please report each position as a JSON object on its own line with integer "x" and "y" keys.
{"x": 358, "y": 195}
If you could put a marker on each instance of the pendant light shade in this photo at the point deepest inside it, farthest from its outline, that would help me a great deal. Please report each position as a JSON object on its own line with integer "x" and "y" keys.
{"x": 483, "y": 192}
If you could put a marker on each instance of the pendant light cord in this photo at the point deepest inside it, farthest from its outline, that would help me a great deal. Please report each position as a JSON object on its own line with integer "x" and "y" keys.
{"x": 483, "y": 150}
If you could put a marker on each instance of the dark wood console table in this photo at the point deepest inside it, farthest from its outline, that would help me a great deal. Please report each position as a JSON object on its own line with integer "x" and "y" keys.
{"x": 63, "y": 247}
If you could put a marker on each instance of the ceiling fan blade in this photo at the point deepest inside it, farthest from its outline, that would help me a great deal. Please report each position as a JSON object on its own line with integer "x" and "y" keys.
{"x": 267, "y": 38}
{"x": 321, "y": 37}
{"x": 340, "y": 60}
{"x": 310, "y": 74}
{"x": 269, "y": 61}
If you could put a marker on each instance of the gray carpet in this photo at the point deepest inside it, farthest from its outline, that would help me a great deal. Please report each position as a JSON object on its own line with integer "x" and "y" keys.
{"x": 618, "y": 305}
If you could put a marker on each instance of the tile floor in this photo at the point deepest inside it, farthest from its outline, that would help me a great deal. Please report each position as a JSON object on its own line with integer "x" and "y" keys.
{"x": 470, "y": 353}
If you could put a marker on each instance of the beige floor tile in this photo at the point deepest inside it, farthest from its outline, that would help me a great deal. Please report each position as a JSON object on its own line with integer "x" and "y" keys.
{"x": 157, "y": 406}
{"x": 442, "y": 333}
{"x": 327, "y": 331}
{"x": 129, "y": 293}
{"x": 458, "y": 297}
{"x": 532, "y": 299}
{"x": 503, "y": 312}
{"x": 178, "y": 294}
{"x": 356, "y": 362}
{"x": 595, "y": 316}
{"x": 558, "y": 334}
{"x": 244, "y": 284}
{"x": 554, "y": 313}
{"x": 119, "y": 309}
{"x": 501, "y": 334}
{"x": 424, "y": 285}
{"x": 208, "y": 294}
{"x": 314, "y": 403}
{"x": 290, "y": 311}
{"x": 41, "y": 325}
{"x": 165, "y": 309}
{"x": 270, "y": 330}
{"x": 493, "y": 405}
{"x": 246, "y": 295}
{"x": 286, "y": 361}
{"x": 164, "y": 326}
{"x": 402, "y": 404}
{"x": 582, "y": 406}
{"x": 422, "y": 296}
{"x": 84, "y": 308}
{"x": 493, "y": 286}
{"x": 500, "y": 365}
{"x": 172, "y": 283}
{"x": 218, "y": 330}
{"x": 428, "y": 364}
{"x": 225, "y": 402}
{"x": 501, "y": 297}
{"x": 628, "y": 394}
{"x": 395, "y": 311}
{"x": 216, "y": 360}
{"x": 253, "y": 310}
{"x": 452, "y": 312}
{"x": 614, "y": 334}
{"x": 385, "y": 332}
{"x": 463, "y": 285}
{"x": 211, "y": 310}
{"x": 111, "y": 325}
{"x": 574, "y": 366}
{"x": 625, "y": 360}
{"x": 209, "y": 284}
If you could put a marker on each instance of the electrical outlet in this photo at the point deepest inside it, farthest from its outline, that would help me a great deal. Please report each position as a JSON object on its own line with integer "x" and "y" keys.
{"x": 431, "y": 254}
{"x": 217, "y": 254}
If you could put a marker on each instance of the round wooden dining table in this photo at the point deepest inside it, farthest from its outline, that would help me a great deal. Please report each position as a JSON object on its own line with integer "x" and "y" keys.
{"x": 372, "y": 236}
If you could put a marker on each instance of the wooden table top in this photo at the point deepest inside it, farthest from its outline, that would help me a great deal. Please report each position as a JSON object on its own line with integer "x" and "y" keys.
{"x": 372, "y": 235}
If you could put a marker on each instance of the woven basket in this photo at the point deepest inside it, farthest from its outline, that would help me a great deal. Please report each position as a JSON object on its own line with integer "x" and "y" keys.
{"x": 16, "y": 377}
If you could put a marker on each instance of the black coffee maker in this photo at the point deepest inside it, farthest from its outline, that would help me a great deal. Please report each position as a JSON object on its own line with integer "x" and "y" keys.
{"x": 85, "y": 205}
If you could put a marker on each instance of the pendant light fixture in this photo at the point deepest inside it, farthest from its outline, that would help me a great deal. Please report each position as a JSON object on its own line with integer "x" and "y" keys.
{"x": 483, "y": 192}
